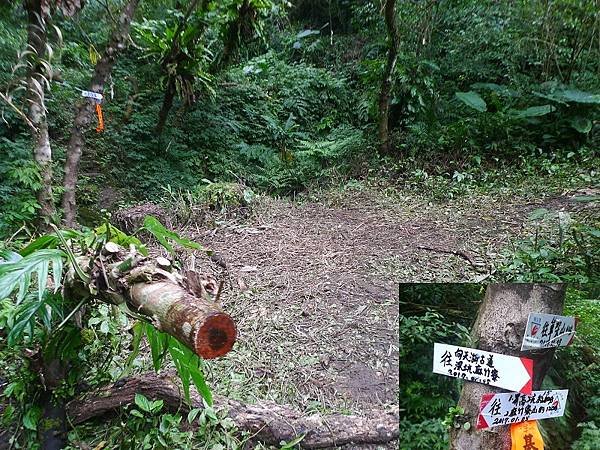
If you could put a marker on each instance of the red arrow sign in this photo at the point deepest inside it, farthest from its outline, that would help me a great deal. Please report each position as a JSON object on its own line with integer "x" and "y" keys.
{"x": 503, "y": 371}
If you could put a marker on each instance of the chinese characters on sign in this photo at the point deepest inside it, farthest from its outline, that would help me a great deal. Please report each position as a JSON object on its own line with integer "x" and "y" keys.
{"x": 507, "y": 372}
{"x": 508, "y": 408}
{"x": 526, "y": 436}
{"x": 548, "y": 330}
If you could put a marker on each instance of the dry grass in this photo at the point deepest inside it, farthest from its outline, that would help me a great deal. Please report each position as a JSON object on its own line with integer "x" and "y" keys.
{"x": 312, "y": 286}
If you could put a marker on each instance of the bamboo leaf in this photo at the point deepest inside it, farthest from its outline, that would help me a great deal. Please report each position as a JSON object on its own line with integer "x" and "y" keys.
{"x": 71, "y": 256}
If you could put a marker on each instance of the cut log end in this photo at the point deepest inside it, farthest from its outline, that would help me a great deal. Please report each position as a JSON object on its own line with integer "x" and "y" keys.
{"x": 216, "y": 336}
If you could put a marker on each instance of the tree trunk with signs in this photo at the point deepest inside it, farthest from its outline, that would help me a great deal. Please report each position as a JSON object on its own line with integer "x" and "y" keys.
{"x": 386, "y": 83}
{"x": 499, "y": 328}
{"x": 85, "y": 110}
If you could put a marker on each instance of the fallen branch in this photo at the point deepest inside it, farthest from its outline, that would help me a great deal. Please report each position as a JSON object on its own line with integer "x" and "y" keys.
{"x": 461, "y": 253}
{"x": 268, "y": 422}
{"x": 181, "y": 304}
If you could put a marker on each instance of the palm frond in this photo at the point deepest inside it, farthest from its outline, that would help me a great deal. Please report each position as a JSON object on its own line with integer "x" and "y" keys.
{"x": 16, "y": 272}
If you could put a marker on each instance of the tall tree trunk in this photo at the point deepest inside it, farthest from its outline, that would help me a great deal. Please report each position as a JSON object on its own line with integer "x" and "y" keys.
{"x": 86, "y": 109}
{"x": 386, "y": 83}
{"x": 167, "y": 104}
{"x": 241, "y": 28}
{"x": 176, "y": 56}
{"x": 42, "y": 153}
{"x": 499, "y": 328}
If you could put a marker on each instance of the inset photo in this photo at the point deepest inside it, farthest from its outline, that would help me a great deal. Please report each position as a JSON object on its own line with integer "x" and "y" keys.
{"x": 502, "y": 366}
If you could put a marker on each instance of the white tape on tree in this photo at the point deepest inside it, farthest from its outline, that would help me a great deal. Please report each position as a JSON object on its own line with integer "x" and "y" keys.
{"x": 91, "y": 94}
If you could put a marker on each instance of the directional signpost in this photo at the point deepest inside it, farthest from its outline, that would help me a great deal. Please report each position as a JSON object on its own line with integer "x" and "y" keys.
{"x": 507, "y": 408}
{"x": 520, "y": 408}
{"x": 547, "y": 331}
{"x": 503, "y": 371}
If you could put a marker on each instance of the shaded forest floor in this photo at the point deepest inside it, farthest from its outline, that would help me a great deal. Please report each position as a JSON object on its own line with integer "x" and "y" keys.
{"x": 313, "y": 285}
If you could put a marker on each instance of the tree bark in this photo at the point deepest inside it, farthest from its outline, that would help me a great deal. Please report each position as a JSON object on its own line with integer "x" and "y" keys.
{"x": 167, "y": 104}
{"x": 86, "y": 109}
{"x": 176, "y": 56}
{"x": 42, "y": 153}
{"x": 499, "y": 328}
{"x": 386, "y": 83}
{"x": 269, "y": 422}
{"x": 181, "y": 306}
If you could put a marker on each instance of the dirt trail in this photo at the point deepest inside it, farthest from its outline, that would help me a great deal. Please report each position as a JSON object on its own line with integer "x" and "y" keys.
{"x": 313, "y": 288}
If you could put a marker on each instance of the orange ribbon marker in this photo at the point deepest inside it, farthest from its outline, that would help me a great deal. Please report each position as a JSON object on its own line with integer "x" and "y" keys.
{"x": 526, "y": 436}
{"x": 100, "y": 126}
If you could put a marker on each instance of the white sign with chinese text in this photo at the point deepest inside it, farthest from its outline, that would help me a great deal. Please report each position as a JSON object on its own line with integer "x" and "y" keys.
{"x": 508, "y": 408}
{"x": 547, "y": 331}
{"x": 470, "y": 364}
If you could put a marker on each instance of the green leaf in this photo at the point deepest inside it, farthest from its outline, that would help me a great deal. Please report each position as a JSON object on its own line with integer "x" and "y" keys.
{"x": 305, "y": 33}
{"x": 17, "y": 274}
{"x": 575, "y": 96}
{"x": 182, "y": 370}
{"x": 189, "y": 366}
{"x": 50, "y": 241}
{"x": 473, "y": 100}
{"x": 118, "y": 237}
{"x": 587, "y": 198}
{"x": 581, "y": 124}
{"x": 156, "y": 406}
{"x": 143, "y": 403}
{"x": 497, "y": 88}
{"x": 533, "y": 111}
{"x": 32, "y": 417}
{"x": 164, "y": 236}
{"x": 158, "y": 344}
{"x": 138, "y": 332}
{"x": 193, "y": 414}
{"x": 290, "y": 445}
{"x": 71, "y": 256}
{"x": 538, "y": 213}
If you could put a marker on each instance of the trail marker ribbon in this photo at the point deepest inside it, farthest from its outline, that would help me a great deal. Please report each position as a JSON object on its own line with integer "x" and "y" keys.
{"x": 98, "y": 98}
{"x": 91, "y": 94}
{"x": 526, "y": 436}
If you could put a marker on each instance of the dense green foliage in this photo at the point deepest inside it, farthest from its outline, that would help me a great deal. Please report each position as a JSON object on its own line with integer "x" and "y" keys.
{"x": 478, "y": 87}
{"x": 36, "y": 329}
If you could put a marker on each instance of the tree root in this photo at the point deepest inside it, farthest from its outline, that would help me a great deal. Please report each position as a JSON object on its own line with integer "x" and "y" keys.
{"x": 268, "y": 422}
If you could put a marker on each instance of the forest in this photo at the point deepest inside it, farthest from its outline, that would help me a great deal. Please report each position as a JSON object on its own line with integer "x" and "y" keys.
{"x": 210, "y": 211}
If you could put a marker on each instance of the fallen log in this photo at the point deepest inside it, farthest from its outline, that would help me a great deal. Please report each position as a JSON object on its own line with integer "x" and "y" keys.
{"x": 181, "y": 304}
{"x": 268, "y": 422}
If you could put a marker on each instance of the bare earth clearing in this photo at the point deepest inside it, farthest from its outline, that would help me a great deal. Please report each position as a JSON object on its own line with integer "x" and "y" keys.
{"x": 313, "y": 287}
